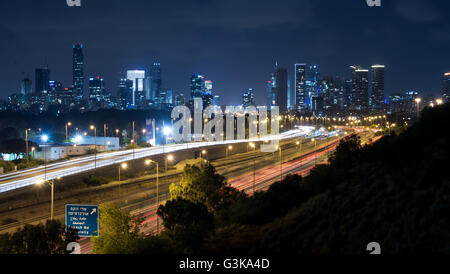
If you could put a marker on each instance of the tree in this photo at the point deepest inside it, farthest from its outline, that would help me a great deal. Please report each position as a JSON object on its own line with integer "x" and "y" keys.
{"x": 120, "y": 233}
{"x": 205, "y": 185}
{"x": 187, "y": 223}
{"x": 51, "y": 238}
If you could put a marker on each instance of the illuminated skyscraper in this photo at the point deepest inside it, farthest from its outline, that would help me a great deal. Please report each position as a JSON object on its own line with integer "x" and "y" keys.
{"x": 156, "y": 82}
{"x": 360, "y": 88}
{"x": 137, "y": 76}
{"x": 98, "y": 96}
{"x": 248, "y": 98}
{"x": 377, "y": 85}
{"x": 125, "y": 93}
{"x": 78, "y": 71}
{"x": 300, "y": 87}
{"x": 446, "y": 87}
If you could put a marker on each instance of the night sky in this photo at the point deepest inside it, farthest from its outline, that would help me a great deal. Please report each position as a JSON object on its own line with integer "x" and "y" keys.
{"x": 234, "y": 43}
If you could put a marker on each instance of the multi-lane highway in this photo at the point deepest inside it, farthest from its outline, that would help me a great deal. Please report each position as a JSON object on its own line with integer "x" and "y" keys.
{"x": 249, "y": 181}
{"x": 20, "y": 179}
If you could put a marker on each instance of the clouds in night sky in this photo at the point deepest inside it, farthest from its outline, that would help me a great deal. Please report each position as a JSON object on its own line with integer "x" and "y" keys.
{"x": 233, "y": 42}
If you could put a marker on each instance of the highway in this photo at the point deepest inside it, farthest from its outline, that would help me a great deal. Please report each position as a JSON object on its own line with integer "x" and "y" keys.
{"x": 23, "y": 178}
{"x": 260, "y": 179}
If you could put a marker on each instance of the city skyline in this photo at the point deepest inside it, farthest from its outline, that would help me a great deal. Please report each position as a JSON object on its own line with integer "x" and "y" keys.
{"x": 233, "y": 68}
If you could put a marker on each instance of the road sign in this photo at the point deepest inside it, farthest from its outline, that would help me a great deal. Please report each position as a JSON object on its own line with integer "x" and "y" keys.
{"x": 83, "y": 218}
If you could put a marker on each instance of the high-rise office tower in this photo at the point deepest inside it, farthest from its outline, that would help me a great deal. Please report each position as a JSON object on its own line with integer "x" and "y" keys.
{"x": 156, "y": 82}
{"x": 197, "y": 86}
{"x": 180, "y": 100}
{"x": 248, "y": 98}
{"x": 300, "y": 87}
{"x": 360, "y": 88}
{"x": 78, "y": 71}
{"x": 446, "y": 87}
{"x": 207, "y": 97}
{"x": 42, "y": 79}
{"x": 138, "y": 77}
{"x": 26, "y": 87}
{"x": 216, "y": 101}
{"x": 97, "y": 91}
{"x": 312, "y": 84}
{"x": 377, "y": 86}
{"x": 281, "y": 89}
{"x": 125, "y": 93}
{"x": 271, "y": 92}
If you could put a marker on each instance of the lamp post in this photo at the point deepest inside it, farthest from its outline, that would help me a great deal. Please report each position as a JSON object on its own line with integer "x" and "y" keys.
{"x": 67, "y": 125}
{"x": 170, "y": 159}
{"x": 281, "y": 162}
{"x": 44, "y": 139}
{"x": 122, "y": 166}
{"x": 203, "y": 154}
{"x": 148, "y": 162}
{"x": 26, "y": 141}
{"x": 315, "y": 155}
{"x": 418, "y": 100}
{"x": 254, "y": 168}
{"x": 95, "y": 146}
{"x": 52, "y": 185}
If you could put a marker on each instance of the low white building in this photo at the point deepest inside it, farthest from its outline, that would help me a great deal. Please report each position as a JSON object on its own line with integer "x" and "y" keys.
{"x": 111, "y": 143}
{"x": 55, "y": 152}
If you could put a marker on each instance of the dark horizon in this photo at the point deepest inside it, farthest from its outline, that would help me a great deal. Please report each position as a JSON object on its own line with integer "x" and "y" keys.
{"x": 234, "y": 43}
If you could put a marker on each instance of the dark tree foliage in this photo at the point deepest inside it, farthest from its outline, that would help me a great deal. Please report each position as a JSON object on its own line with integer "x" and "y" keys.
{"x": 48, "y": 238}
{"x": 204, "y": 185}
{"x": 395, "y": 192}
{"x": 186, "y": 222}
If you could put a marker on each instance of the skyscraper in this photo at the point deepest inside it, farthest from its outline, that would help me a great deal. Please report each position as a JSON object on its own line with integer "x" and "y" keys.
{"x": 207, "y": 95}
{"x": 197, "y": 86}
{"x": 78, "y": 71}
{"x": 281, "y": 89}
{"x": 125, "y": 93}
{"x": 248, "y": 98}
{"x": 137, "y": 76}
{"x": 156, "y": 82}
{"x": 42, "y": 79}
{"x": 300, "y": 87}
{"x": 271, "y": 92}
{"x": 360, "y": 88}
{"x": 446, "y": 87}
{"x": 97, "y": 92}
{"x": 312, "y": 84}
{"x": 25, "y": 87}
{"x": 377, "y": 86}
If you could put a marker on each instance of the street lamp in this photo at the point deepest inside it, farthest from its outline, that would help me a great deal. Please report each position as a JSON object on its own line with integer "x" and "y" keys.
{"x": 229, "y": 148}
{"x": 148, "y": 162}
{"x": 122, "y": 166}
{"x": 166, "y": 131}
{"x": 439, "y": 101}
{"x": 315, "y": 155}
{"x": 418, "y": 100}
{"x": 44, "y": 139}
{"x": 170, "y": 159}
{"x": 67, "y": 125}
{"x": 203, "y": 154}
{"x": 252, "y": 145}
{"x": 52, "y": 185}
{"x": 92, "y": 127}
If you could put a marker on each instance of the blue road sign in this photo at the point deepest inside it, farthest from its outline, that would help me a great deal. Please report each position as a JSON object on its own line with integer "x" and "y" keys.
{"x": 83, "y": 218}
